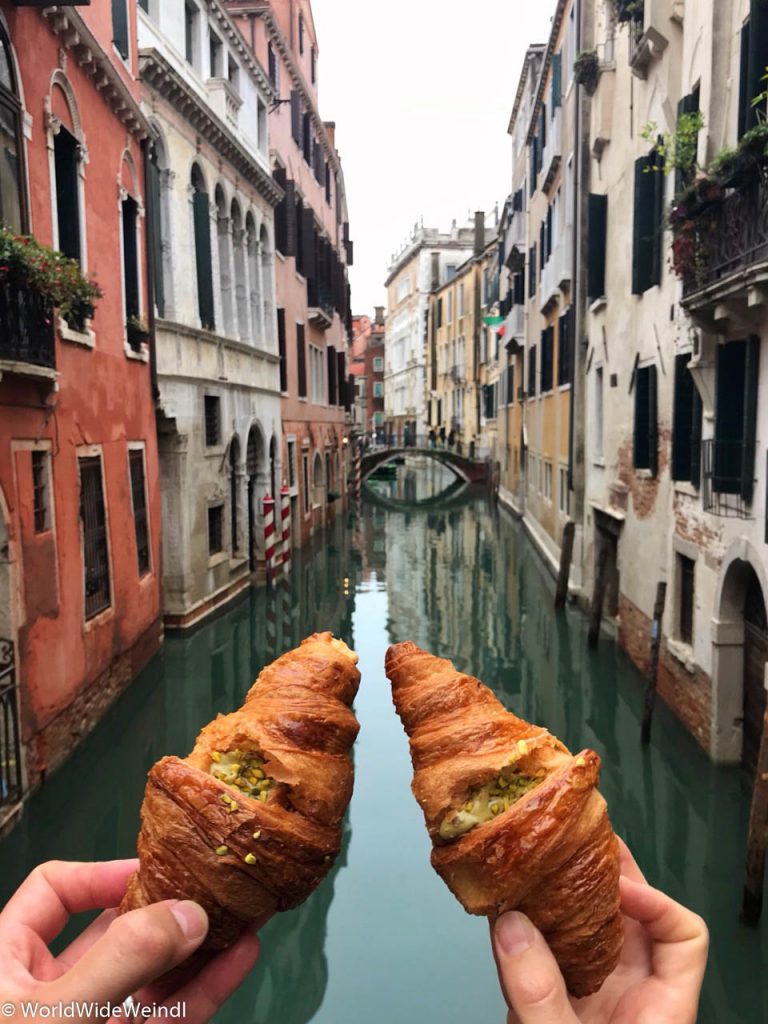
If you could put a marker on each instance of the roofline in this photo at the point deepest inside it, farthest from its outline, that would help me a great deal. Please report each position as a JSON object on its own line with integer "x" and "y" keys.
{"x": 534, "y": 50}
{"x": 557, "y": 21}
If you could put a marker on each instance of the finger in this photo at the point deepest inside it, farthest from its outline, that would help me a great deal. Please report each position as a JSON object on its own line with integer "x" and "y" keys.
{"x": 54, "y": 891}
{"x": 531, "y": 980}
{"x": 681, "y": 937}
{"x": 216, "y": 982}
{"x": 79, "y": 946}
{"x": 629, "y": 866}
{"x": 137, "y": 948}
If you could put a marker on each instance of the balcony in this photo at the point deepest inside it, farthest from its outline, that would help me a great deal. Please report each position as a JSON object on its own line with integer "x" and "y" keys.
{"x": 557, "y": 273}
{"x": 27, "y": 342}
{"x": 728, "y": 471}
{"x": 457, "y": 374}
{"x": 320, "y": 303}
{"x": 728, "y": 279}
{"x": 553, "y": 150}
{"x": 514, "y": 325}
{"x": 224, "y": 100}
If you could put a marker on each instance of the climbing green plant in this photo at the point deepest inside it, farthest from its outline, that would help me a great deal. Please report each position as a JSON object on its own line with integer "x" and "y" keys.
{"x": 678, "y": 149}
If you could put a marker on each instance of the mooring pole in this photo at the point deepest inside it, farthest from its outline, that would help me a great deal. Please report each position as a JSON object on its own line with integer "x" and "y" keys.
{"x": 757, "y": 835}
{"x": 653, "y": 662}
{"x": 561, "y": 596}
{"x": 269, "y": 539}
{"x": 596, "y": 611}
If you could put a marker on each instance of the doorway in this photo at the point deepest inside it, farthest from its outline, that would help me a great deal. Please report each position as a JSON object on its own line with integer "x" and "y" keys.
{"x": 755, "y": 658}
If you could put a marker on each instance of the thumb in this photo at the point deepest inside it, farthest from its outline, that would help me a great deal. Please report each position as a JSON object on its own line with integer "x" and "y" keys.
{"x": 532, "y": 983}
{"x": 136, "y": 949}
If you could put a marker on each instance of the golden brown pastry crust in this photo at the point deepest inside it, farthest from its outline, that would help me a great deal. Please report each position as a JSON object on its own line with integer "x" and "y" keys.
{"x": 297, "y": 716}
{"x": 553, "y": 855}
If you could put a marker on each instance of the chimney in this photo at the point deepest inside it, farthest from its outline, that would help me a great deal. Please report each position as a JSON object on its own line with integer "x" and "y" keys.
{"x": 435, "y": 278}
{"x": 379, "y": 315}
{"x": 479, "y": 232}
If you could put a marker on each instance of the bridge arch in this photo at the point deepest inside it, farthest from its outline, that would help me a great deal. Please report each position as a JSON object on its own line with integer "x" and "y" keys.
{"x": 471, "y": 471}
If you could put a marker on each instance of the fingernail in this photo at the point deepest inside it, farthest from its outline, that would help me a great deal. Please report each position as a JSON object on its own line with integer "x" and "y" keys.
{"x": 514, "y": 933}
{"x": 192, "y": 919}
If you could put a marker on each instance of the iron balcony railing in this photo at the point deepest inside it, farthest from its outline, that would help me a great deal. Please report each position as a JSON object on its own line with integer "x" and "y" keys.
{"x": 27, "y": 334}
{"x": 10, "y": 739}
{"x": 728, "y": 471}
{"x": 730, "y": 236}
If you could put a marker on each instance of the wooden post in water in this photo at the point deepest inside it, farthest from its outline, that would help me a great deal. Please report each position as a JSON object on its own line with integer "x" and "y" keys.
{"x": 596, "y": 611}
{"x": 561, "y": 596}
{"x": 757, "y": 836}
{"x": 653, "y": 662}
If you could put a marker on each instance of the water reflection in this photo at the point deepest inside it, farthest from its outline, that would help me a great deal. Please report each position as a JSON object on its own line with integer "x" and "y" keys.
{"x": 382, "y": 939}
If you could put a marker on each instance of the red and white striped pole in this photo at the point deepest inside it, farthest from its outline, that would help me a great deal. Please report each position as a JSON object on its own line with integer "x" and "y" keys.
{"x": 269, "y": 537}
{"x": 358, "y": 471}
{"x": 285, "y": 517}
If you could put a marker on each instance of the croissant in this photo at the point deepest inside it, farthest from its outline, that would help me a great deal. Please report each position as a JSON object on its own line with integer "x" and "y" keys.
{"x": 250, "y": 822}
{"x": 516, "y": 821}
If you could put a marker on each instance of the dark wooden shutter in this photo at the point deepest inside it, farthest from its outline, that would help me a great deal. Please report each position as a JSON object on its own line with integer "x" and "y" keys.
{"x": 203, "y": 260}
{"x": 154, "y": 212}
{"x": 682, "y": 419}
{"x": 542, "y": 245}
{"x": 542, "y": 133}
{"x": 532, "y": 371}
{"x": 308, "y": 242}
{"x": 565, "y": 348}
{"x": 299, "y": 208}
{"x": 301, "y": 360}
{"x": 330, "y": 354}
{"x": 758, "y": 56}
{"x": 534, "y": 166}
{"x": 95, "y": 537}
{"x": 646, "y": 225}
{"x": 549, "y": 232}
{"x": 290, "y": 218}
{"x": 729, "y": 417}
{"x": 653, "y": 421}
{"x": 751, "y": 372}
{"x": 597, "y": 241}
{"x": 556, "y": 97}
{"x": 343, "y": 383}
{"x": 281, "y": 350}
{"x": 646, "y": 436}
{"x": 120, "y": 27}
{"x": 296, "y": 121}
{"x": 130, "y": 257}
{"x": 532, "y": 271}
{"x": 139, "y": 499}
{"x": 281, "y": 219}
{"x": 656, "y": 227}
{"x": 66, "y": 158}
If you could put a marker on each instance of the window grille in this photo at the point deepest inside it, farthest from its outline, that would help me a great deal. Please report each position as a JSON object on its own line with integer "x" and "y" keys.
{"x": 95, "y": 543}
{"x": 139, "y": 496}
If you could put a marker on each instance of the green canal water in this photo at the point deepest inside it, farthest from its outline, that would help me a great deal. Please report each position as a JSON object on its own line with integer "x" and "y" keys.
{"x": 383, "y": 940}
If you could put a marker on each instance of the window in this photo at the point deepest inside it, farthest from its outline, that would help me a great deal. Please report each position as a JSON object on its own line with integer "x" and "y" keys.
{"x": 362, "y": 387}
{"x": 648, "y": 238}
{"x": 547, "y": 358}
{"x": 439, "y": 314}
{"x": 318, "y": 382}
{"x": 565, "y": 349}
{"x": 306, "y": 138}
{"x": 510, "y": 384}
{"x": 215, "y": 529}
{"x": 532, "y": 281}
{"x": 301, "y": 33}
{"x": 66, "y": 154}
{"x": 532, "y": 371}
{"x": 41, "y": 490}
{"x": 292, "y": 464}
{"x": 212, "y": 420}
{"x": 378, "y": 389}
{"x": 120, "y": 27}
{"x": 686, "y": 569}
{"x": 378, "y": 364}
{"x": 736, "y": 417}
{"x": 273, "y": 67}
{"x": 461, "y": 299}
{"x": 328, "y": 190}
{"x": 449, "y": 307}
{"x": 333, "y": 366}
{"x": 281, "y": 350}
{"x": 546, "y": 488}
{"x": 12, "y": 190}
{"x": 216, "y": 52}
{"x": 305, "y": 481}
{"x": 564, "y": 492}
{"x": 301, "y": 360}
{"x": 191, "y": 28}
{"x": 203, "y": 264}
{"x": 686, "y": 425}
{"x": 754, "y": 45}
{"x": 313, "y": 64}
{"x": 557, "y": 88}
{"x": 93, "y": 518}
{"x": 130, "y": 215}
{"x": 599, "y": 412}
{"x": 597, "y": 240}
{"x": 139, "y": 499}
{"x": 233, "y": 74}
{"x": 155, "y": 227}
{"x": 296, "y": 118}
{"x": 646, "y": 437}
{"x": 689, "y": 104}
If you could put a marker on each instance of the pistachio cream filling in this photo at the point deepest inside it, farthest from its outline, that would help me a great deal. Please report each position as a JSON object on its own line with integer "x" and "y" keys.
{"x": 487, "y": 802}
{"x": 243, "y": 770}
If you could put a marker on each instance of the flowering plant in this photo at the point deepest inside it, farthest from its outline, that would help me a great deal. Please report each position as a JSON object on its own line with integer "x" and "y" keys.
{"x": 54, "y": 276}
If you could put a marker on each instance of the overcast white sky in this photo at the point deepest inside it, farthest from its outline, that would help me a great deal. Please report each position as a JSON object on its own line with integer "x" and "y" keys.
{"x": 421, "y": 92}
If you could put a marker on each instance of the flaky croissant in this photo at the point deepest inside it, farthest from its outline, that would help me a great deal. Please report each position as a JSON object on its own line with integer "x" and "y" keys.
{"x": 516, "y": 821}
{"x": 250, "y": 822}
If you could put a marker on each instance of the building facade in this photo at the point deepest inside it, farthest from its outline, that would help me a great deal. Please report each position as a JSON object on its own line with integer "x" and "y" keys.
{"x": 367, "y": 371}
{"x": 79, "y": 492}
{"x": 212, "y": 218}
{"x": 314, "y": 250}
{"x": 429, "y": 258}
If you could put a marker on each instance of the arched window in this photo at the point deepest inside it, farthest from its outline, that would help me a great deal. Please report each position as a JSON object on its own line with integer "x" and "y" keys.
{"x": 159, "y": 225}
{"x": 225, "y": 264}
{"x": 13, "y": 201}
{"x": 129, "y": 223}
{"x": 268, "y": 291}
{"x": 202, "y": 236}
{"x": 318, "y": 495}
{"x": 243, "y": 331}
{"x": 67, "y": 164}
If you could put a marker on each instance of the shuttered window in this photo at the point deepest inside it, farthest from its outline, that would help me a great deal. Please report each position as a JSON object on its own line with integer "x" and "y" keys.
{"x": 686, "y": 568}
{"x": 154, "y": 213}
{"x": 343, "y": 399}
{"x": 542, "y": 245}
{"x": 736, "y": 417}
{"x": 203, "y": 260}
{"x": 510, "y": 384}
{"x": 272, "y": 63}
{"x": 520, "y": 288}
{"x": 565, "y": 348}
{"x": 301, "y": 360}
{"x": 66, "y": 154}
{"x": 648, "y": 232}
{"x": 308, "y": 239}
{"x": 646, "y": 439}
{"x": 754, "y": 57}
{"x": 556, "y": 97}
{"x": 597, "y": 241}
{"x": 686, "y": 425}
{"x": 688, "y": 105}
{"x": 299, "y": 222}
{"x": 139, "y": 499}
{"x": 130, "y": 211}
{"x": 547, "y": 357}
{"x": 296, "y": 120}
{"x": 333, "y": 396}
{"x": 532, "y": 372}
{"x": 282, "y": 351}
{"x": 120, "y": 27}
{"x": 532, "y": 148}
{"x": 532, "y": 272}
{"x": 281, "y": 212}
{"x": 93, "y": 521}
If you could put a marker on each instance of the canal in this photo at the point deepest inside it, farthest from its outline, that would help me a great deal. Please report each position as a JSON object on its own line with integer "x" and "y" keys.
{"x": 383, "y": 940}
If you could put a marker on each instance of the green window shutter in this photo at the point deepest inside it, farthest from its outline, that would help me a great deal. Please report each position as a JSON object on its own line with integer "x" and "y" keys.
{"x": 645, "y": 427}
{"x": 656, "y": 227}
{"x": 296, "y": 120}
{"x": 682, "y": 419}
{"x": 301, "y": 360}
{"x": 647, "y": 223}
{"x": 156, "y": 235}
{"x": 751, "y": 371}
{"x": 202, "y": 222}
{"x": 597, "y": 241}
{"x": 532, "y": 371}
{"x": 556, "y": 82}
{"x": 120, "y": 27}
{"x": 653, "y": 422}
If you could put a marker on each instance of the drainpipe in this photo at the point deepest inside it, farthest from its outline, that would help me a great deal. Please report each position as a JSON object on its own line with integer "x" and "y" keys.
{"x": 149, "y": 264}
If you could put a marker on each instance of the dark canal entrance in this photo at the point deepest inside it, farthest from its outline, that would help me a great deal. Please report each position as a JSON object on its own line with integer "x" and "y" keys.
{"x": 383, "y": 940}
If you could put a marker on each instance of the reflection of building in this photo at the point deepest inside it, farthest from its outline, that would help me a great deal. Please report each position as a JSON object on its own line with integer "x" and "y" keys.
{"x": 429, "y": 257}
{"x": 314, "y": 318}
{"x": 79, "y": 492}
{"x": 212, "y": 222}
{"x": 367, "y": 369}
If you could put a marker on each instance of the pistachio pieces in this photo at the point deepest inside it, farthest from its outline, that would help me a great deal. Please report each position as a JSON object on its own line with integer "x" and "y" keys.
{"x": 221, "y": 850}
{"x": 242, "y": 769}
{"x": 488, "y": 801}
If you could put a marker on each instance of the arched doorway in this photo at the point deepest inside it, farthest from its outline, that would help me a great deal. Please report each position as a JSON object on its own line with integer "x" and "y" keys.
{"x": 254, "y": 462}
{"x": 755, "y": 658}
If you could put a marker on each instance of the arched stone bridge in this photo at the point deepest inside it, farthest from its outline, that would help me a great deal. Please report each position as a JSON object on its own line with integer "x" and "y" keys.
{"x": 472, "y": 471}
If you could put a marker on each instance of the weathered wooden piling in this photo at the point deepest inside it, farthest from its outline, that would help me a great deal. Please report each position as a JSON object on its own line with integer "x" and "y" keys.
{"x": 601, "y": 581}
{"x": 566, "y": 555}
{"x": 653, "y": 662}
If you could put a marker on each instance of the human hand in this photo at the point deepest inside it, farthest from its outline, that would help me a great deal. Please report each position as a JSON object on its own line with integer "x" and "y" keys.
{"x": 116, "y": 956}
{"x": 657, "y": 981}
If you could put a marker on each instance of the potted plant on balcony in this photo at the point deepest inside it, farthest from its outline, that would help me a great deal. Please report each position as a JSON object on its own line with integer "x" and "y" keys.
{"x": 137, "y": 332}
{"x": 586, "y": 70}
{"x": 55, "y": 279}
